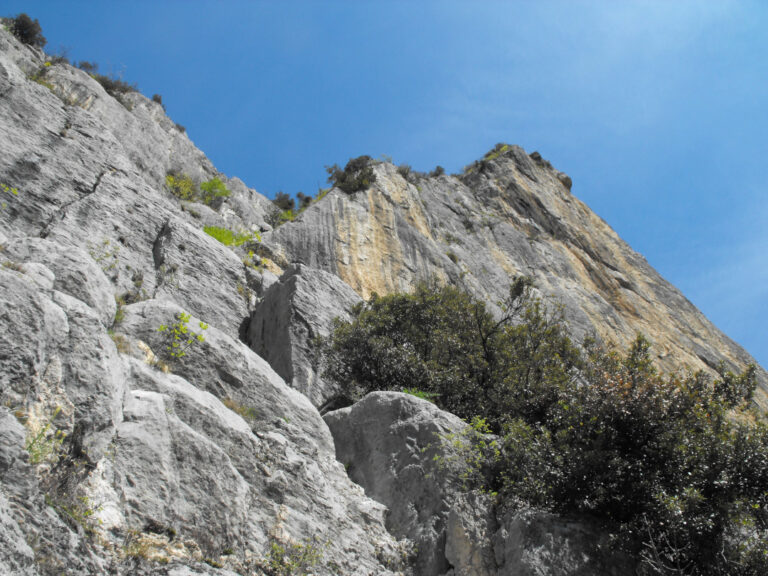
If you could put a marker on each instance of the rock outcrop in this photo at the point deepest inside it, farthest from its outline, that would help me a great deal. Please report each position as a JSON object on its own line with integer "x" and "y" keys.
{"x": 158, "y": 395}
{"x": 290, "y": 316}
{"x": 510, "y": 214}
{"x": 409, "y": 455}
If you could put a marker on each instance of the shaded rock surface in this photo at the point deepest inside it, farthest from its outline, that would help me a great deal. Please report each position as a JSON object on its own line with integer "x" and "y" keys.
{"x": 292, "y": 313}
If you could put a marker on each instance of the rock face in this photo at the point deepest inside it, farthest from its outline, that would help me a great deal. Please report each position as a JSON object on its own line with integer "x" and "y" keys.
{"x": 292, "y": 313}
{"x": 388, "y": 442}
{"x": 140, "y": 434}
{"x": 510, "y": 214}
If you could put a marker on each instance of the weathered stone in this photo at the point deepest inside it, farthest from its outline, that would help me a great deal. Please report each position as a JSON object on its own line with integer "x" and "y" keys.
{"x": 390, "y": 443}
{"x": 510, "y": 215}
{"x": 290, "y": 316}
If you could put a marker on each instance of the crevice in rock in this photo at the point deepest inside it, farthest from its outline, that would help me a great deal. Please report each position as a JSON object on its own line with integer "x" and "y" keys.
{"x": 58, "y": 216}
{"x": 158, "y": 256}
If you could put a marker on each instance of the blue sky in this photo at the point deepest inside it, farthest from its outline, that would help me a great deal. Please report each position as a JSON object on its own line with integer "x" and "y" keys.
{"x": 657, "y": 109}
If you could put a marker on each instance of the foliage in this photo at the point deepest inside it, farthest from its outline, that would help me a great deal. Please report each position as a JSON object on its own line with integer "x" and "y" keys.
{"x": 357, "y": 175}
{"x": 429, "y": 396}
{"x": 44, "y": 445}
{"x": 445, "y": 342}
{"x": 114, "y": 85}
{"x": 284, "y": 201}
{"x": 230, "y": 238}
{"x": 27, "y": 30}
{"x": 438, "y": 171}
{"x": 6, "y": 189}
{"x": 88, "y": 67}
{"x": 181, "y": 186}
{"x": 304, "y": 201}
{"x": 213, "y": 189}
{"x": 659, "y": 458}
{"x": 179, "y": 338}
{"x": 673, "y": 466}
{"x": 247, "y": 412}
{"x": 288, "y": 558}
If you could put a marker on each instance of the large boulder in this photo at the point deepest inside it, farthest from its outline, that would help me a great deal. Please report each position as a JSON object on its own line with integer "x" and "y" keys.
{"x": 400, "y": 449}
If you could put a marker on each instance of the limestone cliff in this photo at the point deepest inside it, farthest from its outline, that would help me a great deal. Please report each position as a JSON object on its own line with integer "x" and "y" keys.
{"x": 120, "y": 455}
{"x": 509, "y": 214}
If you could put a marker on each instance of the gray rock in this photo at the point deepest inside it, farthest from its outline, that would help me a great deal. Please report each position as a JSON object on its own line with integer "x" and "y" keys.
{"x": 389, "y": 443}
{"x": 509, "y": 215}
{"x": 291, "y": 314}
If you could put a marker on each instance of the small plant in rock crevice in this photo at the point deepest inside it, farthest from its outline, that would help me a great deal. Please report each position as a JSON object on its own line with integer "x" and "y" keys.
{"x": 180, "y": 338}
{"x": 230, "y": 238}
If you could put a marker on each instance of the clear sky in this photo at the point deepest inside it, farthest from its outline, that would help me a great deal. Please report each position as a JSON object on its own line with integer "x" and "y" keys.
{"x": 657, "y": 109}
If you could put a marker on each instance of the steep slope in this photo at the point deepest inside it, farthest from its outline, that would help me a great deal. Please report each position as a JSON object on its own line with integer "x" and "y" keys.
{"x": 110, "y": 462}
{"x": 509, "y": 214}
{"x": 119, "y": 457}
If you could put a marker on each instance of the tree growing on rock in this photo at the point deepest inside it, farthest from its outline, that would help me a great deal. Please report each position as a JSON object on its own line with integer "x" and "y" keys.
{"x": 27, "y": 30}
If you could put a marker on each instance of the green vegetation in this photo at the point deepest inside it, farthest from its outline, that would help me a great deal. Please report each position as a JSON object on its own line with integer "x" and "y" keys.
{"x": 285, "y": 207}
{"x": 181, "y": 186}
{"x": 27, "y": 30}
{"x": 674, "y": 468}
{"x": 289, "y": 558}
{"x": 184, "y": 188}
{"x": 180, "y": 338}
{"x": 44, "y": 445}
{"x": 230, "y": 238}
{"x": 213, "y": 189}
{"x": 357, "y": 175}
{"x": 429, "y": 396}
{"x": 6, "y": 189}
{"x": 480, "y": 165}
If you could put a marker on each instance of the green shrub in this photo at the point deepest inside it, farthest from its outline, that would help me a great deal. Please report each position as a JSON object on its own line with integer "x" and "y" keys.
{"x": 213, "y": 189}
{"x": 438, "y": 171}
{"x": 181, "y": 186}
{"x": 27, "y": 30}
{"x": 114, "y": 85}
{"x": 88, "y": 67}
{"x": 357, "y": 175}
{"x": 230, "y": 238}
{"x": 304, "y": 201}
{"x": 673, "y": 467}
{"x": 6, "y": 189}
{"x": 443, "y": 341}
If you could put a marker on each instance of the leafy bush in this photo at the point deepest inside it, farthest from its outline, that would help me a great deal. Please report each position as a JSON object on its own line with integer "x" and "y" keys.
{"x": 213, "y": 189}
{"x": 27, "y": 30}
{"x": 114, "y": 85}
{"x": 438, "y": 171}
{"x": 230, "y": 238}
{"x": 304, "y": 201}
{"x": 445, "y": 342}
{"x": 88, "y": 67}
{"x": 181, "y": 186}
{"x": 673, "y": 467}
{"x": 357, "y": 175}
